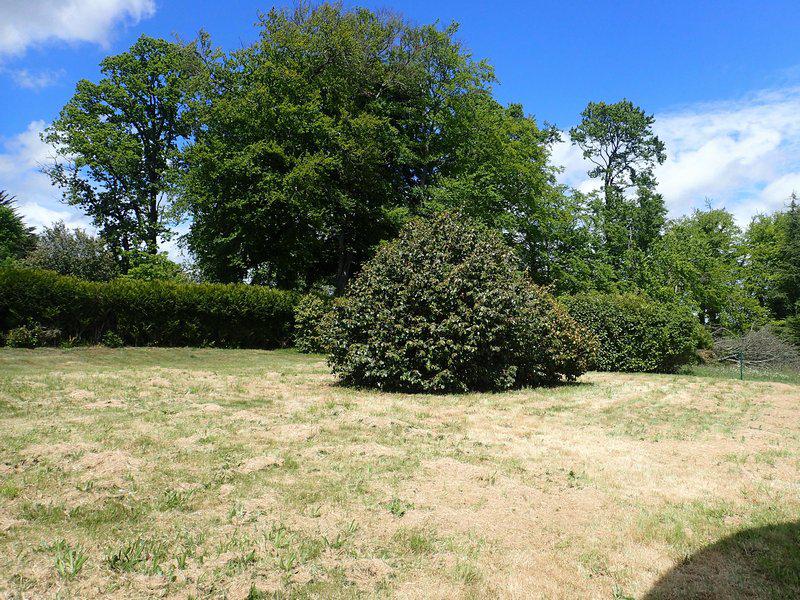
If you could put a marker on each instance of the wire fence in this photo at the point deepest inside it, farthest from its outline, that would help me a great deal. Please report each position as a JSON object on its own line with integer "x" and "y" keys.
{"x": 757, "y": 350}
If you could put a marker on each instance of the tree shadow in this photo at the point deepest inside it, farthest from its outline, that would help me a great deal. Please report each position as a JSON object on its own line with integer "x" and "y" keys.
{"x": 762, "y": 562}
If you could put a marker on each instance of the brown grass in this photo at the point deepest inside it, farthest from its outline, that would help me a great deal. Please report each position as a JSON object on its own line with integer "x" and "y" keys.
{"x": 200, "y": 473}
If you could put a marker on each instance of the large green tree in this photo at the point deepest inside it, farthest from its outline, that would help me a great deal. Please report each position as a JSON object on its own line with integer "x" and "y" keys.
{"x": 117, "y": 141}
{"x": 316, "y": 141}
{"x": 773, "y": 260}
{"x": 324, "y": 136}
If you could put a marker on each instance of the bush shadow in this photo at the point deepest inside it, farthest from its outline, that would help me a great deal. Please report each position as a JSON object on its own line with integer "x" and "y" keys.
{"x": 762, "y": 562}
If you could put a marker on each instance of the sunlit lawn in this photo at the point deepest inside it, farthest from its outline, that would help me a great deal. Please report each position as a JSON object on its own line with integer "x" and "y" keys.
{"x": 220, "y": 473}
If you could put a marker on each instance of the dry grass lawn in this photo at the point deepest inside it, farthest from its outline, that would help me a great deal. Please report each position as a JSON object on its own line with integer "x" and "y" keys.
{"x": 231, "y": 474}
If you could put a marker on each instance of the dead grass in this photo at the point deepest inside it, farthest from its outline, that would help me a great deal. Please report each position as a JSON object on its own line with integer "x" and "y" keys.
{"x": 226, "y": 474}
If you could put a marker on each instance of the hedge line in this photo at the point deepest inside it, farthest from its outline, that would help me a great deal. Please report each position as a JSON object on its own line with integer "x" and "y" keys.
{"x": 147, "y": 313}
{"x": 636, "y": 333}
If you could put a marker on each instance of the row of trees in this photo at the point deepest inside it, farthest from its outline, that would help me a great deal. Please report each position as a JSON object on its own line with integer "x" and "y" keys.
{"x": 293, "y": 158}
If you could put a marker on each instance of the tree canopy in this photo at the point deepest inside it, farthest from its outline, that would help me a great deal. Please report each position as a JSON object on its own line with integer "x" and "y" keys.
{"x": 294, "y": 158}
{"x": 117, "y": 140}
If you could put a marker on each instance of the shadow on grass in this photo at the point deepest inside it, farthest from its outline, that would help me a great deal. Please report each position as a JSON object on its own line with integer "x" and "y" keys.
{"x": 342, "y": 385}
{"x": 763, "y": 562}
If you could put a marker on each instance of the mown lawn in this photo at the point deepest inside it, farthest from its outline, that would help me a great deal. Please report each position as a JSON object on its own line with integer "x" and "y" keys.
{"x": 217, "y": 473}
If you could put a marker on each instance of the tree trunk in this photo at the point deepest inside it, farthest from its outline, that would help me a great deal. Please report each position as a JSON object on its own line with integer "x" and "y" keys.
{"x": 344, "y": 265}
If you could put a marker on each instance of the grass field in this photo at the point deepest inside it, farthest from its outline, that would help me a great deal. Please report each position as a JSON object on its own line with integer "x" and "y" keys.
{"x": 226, "y": 474}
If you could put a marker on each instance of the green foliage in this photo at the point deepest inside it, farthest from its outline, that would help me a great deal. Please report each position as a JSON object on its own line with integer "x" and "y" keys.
{"x": 72, "y": 253}
{"x": 140, "y": 556}
{"x": 158, "y": 313}
{"x": 618, "y": 140}
{"x": 22, "y": 337}
{"x": 311, "y": 324}
{"x": 637, "y": 334}
{"x": 445, "y": 307}
{"x": 700, "y": 263}
{"x": 772, "y": 269}
{"x": 118, "y": 141}
{"x": 69, "y": 560}
{"x": 16, "y": 239}
{"x": 321, "y": 139}
{"x": 153, "y": 267}
{"x": 32, "y": 335}
{"x": 111, "y": 340}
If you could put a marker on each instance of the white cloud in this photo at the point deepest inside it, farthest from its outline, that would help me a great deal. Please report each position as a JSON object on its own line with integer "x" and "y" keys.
{"x": 744, "y": 155}
{"x": 20, "y": 175}
{"x": 27, "y": 22}
{"x": 37, "y": 80}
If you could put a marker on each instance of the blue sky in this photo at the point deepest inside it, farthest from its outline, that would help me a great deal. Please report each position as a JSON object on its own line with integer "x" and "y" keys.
{"x": 723, "y": 79}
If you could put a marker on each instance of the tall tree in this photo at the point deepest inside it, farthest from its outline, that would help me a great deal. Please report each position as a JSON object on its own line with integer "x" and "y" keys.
{"x": 772, "y": 244}
{"x": 16, "y": 238}
{"x": 117, "y": 141}
{"x": 618, "y": 139}
{"x": 318, "y": 140}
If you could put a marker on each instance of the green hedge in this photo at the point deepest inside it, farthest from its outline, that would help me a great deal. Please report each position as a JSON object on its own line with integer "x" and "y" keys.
{"x": 636, "y": 333}
{"x": 147, "y": 313}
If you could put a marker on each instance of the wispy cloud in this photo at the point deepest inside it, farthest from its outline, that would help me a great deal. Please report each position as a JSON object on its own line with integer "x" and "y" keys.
{"x": 740, "y": 154}
{"x": 28, "y": 22}
{"x": 35, "y": 80}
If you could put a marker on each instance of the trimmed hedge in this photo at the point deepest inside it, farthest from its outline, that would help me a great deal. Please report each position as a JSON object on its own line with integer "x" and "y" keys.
{"x": 311, "y": 324}
{"x": 446, "y": 307}
{"x": 635, "y": 333}
{"x": 147, "y": 313}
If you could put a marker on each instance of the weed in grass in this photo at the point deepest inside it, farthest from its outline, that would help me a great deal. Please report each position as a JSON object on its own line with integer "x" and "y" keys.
{"x": 140, "y": 556}
{"x": 467, "y": 573}
{"x": 85, "y": 486}
{"x": 416, "y": 540}
{"x": 342, "y": 537}
{"x": 288, "y": 561}
{"x": 236, "y": 512}
{"x": 175, "y": 500}
{"x": 399, "y": 507}
{"x": 279, "y": 535}
{"x": 9, "y": 491}
{"x": 240, "y": 563}
{"x": 69, "y": 560}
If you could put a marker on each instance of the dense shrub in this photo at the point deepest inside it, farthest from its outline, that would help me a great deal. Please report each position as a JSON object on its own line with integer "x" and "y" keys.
{"x": 311, "y": 324}
{"x": 636, "y": 333}
{"x": 151, "y": 267}
{"x": 111, "y": 340}
{"x": 160, "y": 313}
{"x": 445, "y": 307}
{"x": 72, "y": 252}
{"x": 32, "y": 335}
